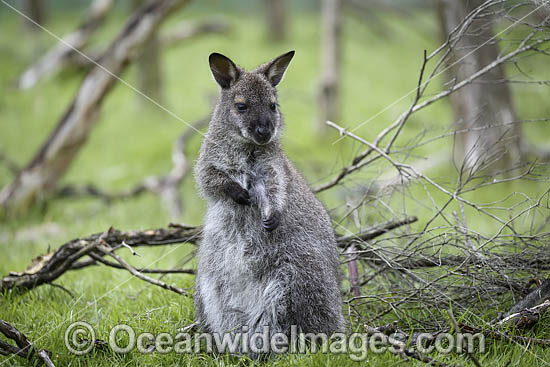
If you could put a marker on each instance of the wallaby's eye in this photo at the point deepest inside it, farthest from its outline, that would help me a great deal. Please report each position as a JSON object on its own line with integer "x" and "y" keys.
{"x": 241, "y": 107}
{"x": 273, "y": 107}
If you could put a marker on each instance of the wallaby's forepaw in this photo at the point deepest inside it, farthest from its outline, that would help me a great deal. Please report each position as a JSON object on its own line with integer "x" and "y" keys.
{"x": 273, "y": 221}
{"x": 237, "y": 193}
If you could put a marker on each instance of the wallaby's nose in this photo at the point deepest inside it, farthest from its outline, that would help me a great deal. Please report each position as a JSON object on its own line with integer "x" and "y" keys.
{"x": 263, "y": 132}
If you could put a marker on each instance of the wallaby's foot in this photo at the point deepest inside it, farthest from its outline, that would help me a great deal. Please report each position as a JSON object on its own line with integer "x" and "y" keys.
{"x": 237, "y": 193}
{"x": 273, "y": 221}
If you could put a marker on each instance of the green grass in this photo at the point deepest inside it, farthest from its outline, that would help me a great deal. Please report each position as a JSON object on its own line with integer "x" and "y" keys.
{"x": 133, "y": 140}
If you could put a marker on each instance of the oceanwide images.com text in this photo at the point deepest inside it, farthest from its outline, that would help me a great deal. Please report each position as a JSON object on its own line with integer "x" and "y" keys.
{"x": 80, "y": 338}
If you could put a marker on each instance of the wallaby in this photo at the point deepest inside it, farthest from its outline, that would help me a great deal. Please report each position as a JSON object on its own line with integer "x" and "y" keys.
{"x": 268, "y": 255}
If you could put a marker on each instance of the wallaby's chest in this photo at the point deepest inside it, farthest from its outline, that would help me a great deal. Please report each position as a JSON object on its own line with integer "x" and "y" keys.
{"x": 247, "y": 168}
{"x": 235, "y": 158}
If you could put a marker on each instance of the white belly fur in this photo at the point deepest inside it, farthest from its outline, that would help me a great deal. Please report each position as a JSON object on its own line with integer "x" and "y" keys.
{"x": 241, "y": 293}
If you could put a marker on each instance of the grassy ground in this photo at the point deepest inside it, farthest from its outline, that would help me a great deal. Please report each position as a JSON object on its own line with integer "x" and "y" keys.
{"x": 132, "y": 141}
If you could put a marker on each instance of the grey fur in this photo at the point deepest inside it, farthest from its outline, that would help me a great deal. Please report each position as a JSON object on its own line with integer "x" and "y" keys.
{"x": 272, "y": 259}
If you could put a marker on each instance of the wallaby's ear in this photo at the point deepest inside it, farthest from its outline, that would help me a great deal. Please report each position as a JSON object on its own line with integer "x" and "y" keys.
{"x": 223, "y": 69}
{"x": 275, "y": 70}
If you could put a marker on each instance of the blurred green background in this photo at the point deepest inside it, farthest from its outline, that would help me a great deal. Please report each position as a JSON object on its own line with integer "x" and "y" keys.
{"x": 381, "y": 58}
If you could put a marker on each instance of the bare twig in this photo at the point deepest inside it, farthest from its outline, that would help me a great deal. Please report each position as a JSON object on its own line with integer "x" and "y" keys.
{"x": 107, "y": 250}
{"x": 358, "y": 163}
{"x": 454, "y": 324}
{"x": 101, "y": 260}
{"x": 374, "y": 232}
{"x": 24, "y": 348}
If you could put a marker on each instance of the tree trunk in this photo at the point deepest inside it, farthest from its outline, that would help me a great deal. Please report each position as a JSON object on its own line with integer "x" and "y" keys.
{"x": 276, "y": 19}
{"x": 34, "y": 9}
{"x": 149, "y": 75}
{"x": 487, "y": 101}
{"x": 328, "y": 97}
{"x": 54, "y": 157}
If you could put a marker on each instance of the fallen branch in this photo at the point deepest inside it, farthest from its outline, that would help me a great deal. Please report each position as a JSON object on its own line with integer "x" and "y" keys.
{"x": 47, "y": 268}
{"x": 24, "y": 348}
{"x": 528, "y": 317}
{"x": 71, "y": 255}
{"x": 527, "y": 312}
{"x": 534, "y": 298}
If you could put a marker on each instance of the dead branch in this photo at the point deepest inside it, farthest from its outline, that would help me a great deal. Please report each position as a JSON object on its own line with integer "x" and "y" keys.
{"x": 528, "y": 317}
{"x": 409, "y": 172}
{"x": 98, "y": 259}
{"x": 371, "y": 233}
{"x": 47, "y": 268}
{"x": 534, "y": 298}
{"x": 63, "y": 51}
{"x": 24, "y": 348}
{"x": 527, "y": 312}
{"x": 71, "y": 256}
{"x": 55, "y": 156}
{"x": 90, "y": 190}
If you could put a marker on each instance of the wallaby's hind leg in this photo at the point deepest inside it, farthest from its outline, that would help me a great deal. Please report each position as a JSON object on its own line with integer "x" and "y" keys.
{"x": 272, "y": 310}
{"x": 270, "y": 313}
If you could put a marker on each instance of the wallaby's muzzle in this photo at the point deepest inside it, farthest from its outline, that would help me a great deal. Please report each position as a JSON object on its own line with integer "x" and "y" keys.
{"x": 262, "y": 131}
{"x": 262, "y": 135}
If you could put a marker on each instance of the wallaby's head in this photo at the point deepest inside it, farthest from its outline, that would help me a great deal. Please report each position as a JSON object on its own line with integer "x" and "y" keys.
{"x": 248, "y": 102}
